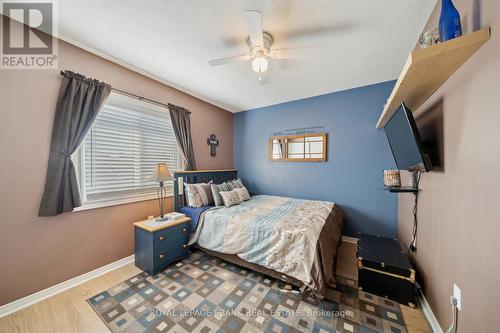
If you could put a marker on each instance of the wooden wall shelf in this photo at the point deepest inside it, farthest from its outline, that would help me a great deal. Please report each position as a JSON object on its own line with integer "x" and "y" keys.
{"x": 428, "y": 69}
{"x": 402, "y": 189}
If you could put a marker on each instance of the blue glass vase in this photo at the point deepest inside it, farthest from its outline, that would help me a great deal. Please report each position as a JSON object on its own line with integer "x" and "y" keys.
{"x": 449, "y": 21}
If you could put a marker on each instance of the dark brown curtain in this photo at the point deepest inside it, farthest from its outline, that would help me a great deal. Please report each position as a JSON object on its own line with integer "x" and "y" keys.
{"x": 181, "y": 123}
{"x": 78, "y": 102}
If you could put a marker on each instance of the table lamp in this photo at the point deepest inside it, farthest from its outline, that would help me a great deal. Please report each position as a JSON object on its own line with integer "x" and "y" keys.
{"x": 161, "y": 175}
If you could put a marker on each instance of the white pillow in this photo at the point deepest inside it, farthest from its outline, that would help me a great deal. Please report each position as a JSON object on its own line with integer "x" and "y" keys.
{"x": 199, "y": 194}
{"x": 242, "y": 193}
{"x": 230, "y": 198}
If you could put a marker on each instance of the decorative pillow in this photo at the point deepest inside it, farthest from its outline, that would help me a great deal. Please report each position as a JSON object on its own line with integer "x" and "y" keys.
{"x": 229, "y": 185}
{"x": 198, "y": 195}
{"x": 237, "y": 183}
{"x": 205, "y": 191}
{"x": 193, "y": 197}
{"x": 224, "y": 187}
{"x": 242, "y": 193}
{"x": 215, "y": 193}
{"x": 230, "y": 198}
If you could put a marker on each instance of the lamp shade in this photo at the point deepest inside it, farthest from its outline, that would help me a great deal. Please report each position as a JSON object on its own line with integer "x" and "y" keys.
{"x": 161, "y": 173}
{"x": 259, "y": 64}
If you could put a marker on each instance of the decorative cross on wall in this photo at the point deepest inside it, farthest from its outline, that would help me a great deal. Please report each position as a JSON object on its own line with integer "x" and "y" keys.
{"x": 213, "y": 143}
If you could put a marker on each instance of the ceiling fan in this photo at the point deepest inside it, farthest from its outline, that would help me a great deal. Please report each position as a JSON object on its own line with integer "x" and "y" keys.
{"x": 260, "y": 43}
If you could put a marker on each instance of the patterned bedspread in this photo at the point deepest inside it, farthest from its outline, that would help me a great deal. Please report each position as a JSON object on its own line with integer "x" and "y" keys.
{"x": 275, "y": 232}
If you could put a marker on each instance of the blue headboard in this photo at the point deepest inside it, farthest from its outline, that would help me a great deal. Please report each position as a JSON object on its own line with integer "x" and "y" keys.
{"x": 203, "y": 176}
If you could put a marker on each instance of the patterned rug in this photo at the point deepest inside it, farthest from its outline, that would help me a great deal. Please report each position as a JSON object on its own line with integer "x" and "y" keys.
{"x": 205, "y": 294}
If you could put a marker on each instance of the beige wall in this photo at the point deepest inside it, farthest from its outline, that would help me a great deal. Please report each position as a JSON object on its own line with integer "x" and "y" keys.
{"x": 36, "y": 253}
{"x": 459, "y": 209}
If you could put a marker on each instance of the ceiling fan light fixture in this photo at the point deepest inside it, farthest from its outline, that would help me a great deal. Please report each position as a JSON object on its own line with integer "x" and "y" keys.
{"x": 259, "y": 64}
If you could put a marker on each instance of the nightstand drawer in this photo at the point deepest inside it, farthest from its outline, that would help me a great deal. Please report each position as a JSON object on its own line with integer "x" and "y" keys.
{"x": 170, "y": 253}
{"x": 178, "y": 231}
{"x": 171, "y": 238}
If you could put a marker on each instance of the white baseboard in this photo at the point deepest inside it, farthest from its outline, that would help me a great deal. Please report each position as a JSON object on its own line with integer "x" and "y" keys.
{"x": 349, "y": 239}
{"x": 60, "y": 287}
{"x": 429, "y": 315}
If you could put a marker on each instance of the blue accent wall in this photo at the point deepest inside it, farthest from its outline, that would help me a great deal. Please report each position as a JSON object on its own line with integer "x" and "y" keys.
{"x": 358, "y": 153}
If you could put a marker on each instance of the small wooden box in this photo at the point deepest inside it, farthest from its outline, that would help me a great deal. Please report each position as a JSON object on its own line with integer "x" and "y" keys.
{"x": 384, "y": 269}
{"x": 156, "y": 248}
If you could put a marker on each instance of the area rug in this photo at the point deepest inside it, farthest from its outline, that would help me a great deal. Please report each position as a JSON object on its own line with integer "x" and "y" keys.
{"x": 205, "y": 294}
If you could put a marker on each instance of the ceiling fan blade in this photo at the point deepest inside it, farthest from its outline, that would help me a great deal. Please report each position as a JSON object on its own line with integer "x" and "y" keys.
{"x": 294, "y": 52}
{"x": 254, "y": 22}
{"x": 229, "y": 60}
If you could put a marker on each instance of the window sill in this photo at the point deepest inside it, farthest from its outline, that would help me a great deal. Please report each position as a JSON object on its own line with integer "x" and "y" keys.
{"x": 116, "y": 202}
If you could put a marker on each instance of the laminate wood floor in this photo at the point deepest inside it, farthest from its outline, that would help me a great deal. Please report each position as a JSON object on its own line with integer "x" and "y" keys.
{"x": 69, "y": 312}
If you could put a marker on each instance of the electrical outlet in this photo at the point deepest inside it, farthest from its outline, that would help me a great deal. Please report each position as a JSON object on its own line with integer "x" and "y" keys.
{"x": 458, "y": 296}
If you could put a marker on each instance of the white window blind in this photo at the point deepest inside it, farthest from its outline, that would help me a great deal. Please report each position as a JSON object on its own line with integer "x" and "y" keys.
{"x": 127, "y": 138}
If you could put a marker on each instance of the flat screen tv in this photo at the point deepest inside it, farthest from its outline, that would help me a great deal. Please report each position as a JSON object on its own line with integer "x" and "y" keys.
{"x": 406, "y": 144}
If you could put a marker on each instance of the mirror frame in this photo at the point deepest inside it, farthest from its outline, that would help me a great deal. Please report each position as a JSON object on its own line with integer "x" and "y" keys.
{"x": 315, "y": 159}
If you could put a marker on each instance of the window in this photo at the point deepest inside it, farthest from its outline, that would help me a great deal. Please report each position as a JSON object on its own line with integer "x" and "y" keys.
{"x": 116, "y": 159}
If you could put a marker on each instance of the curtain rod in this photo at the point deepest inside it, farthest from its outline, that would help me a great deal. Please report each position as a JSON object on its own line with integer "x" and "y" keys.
{"x": 141, "y": 98}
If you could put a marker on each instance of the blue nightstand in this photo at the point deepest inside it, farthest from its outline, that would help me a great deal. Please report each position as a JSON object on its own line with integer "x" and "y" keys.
{"x": 157, "y": 247}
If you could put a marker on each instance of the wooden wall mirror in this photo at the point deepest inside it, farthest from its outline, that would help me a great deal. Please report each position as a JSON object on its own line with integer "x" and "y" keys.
{"x": 298, "y": 148}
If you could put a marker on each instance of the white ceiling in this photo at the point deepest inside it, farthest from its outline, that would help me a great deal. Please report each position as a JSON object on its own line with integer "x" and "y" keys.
{"x": 360, "y": 42}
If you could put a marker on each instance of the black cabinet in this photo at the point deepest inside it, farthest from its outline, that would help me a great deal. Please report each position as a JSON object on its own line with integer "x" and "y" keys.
{"x": 385, "y": 270}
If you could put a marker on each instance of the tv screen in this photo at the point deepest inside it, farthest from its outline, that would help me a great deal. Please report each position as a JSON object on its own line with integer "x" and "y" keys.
{"x": 405, "y": 142}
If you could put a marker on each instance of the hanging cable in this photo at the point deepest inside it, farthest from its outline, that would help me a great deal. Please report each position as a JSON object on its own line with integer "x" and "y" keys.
{"x": 454, "y": 313}
{"x": 412, "y": 248}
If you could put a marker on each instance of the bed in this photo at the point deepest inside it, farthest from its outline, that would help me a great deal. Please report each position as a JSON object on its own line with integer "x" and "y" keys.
{"x": 293, "y": 240}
